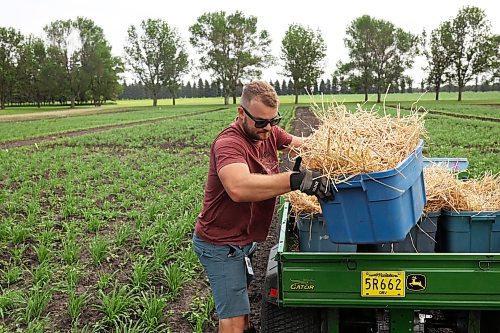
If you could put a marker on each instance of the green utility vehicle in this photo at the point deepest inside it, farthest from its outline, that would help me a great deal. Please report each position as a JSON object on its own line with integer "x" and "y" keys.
{"x": 312, "y": 292}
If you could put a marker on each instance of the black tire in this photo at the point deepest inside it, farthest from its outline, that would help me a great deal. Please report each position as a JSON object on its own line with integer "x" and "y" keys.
{"x": 274, "y": 319}
{"x": 490, "y": 321}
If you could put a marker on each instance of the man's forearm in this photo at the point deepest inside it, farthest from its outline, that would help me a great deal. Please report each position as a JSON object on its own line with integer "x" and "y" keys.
{"x": 258, "y": 187}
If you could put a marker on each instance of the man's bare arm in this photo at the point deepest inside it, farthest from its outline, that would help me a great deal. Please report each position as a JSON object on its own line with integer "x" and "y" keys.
{"x": 243, "y": 186}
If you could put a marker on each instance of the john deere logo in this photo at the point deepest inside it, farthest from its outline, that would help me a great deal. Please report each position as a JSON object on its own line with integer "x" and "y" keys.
{"x": 416, "y": 282}
{"x": 305, "y": 284}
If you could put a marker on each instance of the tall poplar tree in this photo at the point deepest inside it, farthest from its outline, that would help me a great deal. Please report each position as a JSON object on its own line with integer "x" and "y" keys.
{"x": 231, "y": 48}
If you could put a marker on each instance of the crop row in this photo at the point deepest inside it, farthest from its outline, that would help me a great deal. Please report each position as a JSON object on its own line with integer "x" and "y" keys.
{"x": 94, "y": 230}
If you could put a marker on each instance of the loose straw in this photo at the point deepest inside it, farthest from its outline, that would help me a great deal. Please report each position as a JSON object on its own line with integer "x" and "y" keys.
{"x": 347, "y": 144}
{"x": 303, "y": 203}
{"x": 445, "y": 191}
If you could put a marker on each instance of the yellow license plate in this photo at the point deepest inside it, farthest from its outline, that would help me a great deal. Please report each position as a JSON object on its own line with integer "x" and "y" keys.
{"x": 382, "y": 284}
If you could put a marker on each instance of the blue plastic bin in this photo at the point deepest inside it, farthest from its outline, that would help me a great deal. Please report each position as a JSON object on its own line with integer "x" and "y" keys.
{"x": 378, "y": 207}
{"x": 456, "y": 164}
{"x": 420, "y": 239}
{"x": 313, "y": 236}
{"x": 469, "y": 232}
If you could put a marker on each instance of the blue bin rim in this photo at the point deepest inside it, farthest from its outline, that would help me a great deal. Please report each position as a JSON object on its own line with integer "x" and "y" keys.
{"x": 386, "y": 173}
{"x": 491, "y": 213}
{"x": 454, "y": 163}
{"x": 431, "y": 214}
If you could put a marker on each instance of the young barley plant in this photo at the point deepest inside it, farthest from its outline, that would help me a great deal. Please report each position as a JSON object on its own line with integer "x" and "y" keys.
{"x": 141, "y": 271}
{"x": 43, "y": 253}
{"x": 20, "y": 233}
{"x": 146, "y": 236}
{"x": 17, "y": 253}
{"x": 35, "y": 302}
{"x": 189, "y": 262}
{"x": 115, "y": 304}
{"x": 70, "y": 251}
{"x": 94, "y": 223}
{"x": 132, "y": 326}
{"x": 12, "y": 274}
{"x": 123, "y": 234}
{"x": 9, "y": 301}
{"x": 153, "y": 309}
{"x": 76, "y": 304}
{"x": 46, "y": 236}
{"x": 41, "y": 274}
{"x": 175, "y": 278}
{"x": 98, "y": 249}
{"x": 105, "y": 280}
{"x": 36, "y": 326}
{"x": 161, "y": 253}
{"x": 199, "y": 314}
{"x": 73, "y": 276}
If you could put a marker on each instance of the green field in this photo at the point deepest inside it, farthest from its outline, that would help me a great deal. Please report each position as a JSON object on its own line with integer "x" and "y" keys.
{"x": 426, "y": 100}
{"x": 94, "y": 229}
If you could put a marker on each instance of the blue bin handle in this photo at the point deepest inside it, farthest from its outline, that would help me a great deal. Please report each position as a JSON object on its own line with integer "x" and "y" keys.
{"x": 490, "y": 218}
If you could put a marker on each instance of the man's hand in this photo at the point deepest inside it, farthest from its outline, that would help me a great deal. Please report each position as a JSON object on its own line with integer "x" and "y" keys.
{"x": 311, "y": 183}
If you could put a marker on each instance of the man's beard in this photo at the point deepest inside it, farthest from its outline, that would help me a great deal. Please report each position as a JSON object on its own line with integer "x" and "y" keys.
{"x": 255, "y": 135}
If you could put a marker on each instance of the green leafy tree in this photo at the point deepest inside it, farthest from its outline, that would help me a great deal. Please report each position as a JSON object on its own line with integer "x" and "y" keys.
{"x": 64, "y": 57}
{"x": 438, "y": 56}
{"x": 10, "y": 49}
{"x": 157, "y": 57}
{"x": 231, "y": 47}
{"x": 378, "y": 47}
{"x": 472, "y": 46}
{"x": 81, "y": 61}
{"x": 360, "y": 70}
{"x": 30, "y": 84}
{"x": 302, "y": 52}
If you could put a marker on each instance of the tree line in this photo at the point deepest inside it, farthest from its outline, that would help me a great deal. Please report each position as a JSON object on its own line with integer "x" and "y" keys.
{"x": 74, "y": 64}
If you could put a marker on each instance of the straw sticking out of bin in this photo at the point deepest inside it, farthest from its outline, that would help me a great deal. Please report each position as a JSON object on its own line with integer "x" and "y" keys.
{"x": 347, "y": 144}
{"x": 303, "y": 203}
{"x": 445, "y": 191}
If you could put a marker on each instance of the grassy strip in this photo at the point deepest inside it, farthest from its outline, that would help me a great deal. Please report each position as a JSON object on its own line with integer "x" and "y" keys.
{"x": 28, "y": 130}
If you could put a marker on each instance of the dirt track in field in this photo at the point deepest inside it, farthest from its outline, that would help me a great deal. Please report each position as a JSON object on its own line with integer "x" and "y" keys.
{"x": 53, "y": 114}
{"x": 455, "y": 115}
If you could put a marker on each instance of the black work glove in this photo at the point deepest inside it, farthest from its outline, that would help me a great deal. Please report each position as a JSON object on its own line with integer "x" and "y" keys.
{"x": 310, "y": 182}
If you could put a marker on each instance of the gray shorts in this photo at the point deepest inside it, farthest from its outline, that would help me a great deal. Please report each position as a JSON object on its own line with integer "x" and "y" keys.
{"x": 227, "y": 274}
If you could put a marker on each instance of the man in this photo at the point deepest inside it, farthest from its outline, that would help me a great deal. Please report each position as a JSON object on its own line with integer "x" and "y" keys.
{"x": 240, "y": 195}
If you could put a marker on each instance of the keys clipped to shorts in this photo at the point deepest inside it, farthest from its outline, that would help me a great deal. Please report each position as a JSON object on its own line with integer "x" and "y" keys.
{"x": 248, "y": 262}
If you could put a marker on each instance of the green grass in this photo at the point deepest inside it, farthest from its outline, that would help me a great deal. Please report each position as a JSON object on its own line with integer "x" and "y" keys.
{"x": 11, "y": 131}
{"x": 490, "y": 97}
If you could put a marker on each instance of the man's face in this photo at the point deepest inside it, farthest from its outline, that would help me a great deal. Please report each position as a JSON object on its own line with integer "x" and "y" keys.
{"x": 258, "y": 111}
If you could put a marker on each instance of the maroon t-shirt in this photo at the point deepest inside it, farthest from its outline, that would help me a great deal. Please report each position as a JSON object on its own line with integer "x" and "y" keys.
{"x": 223, "y": 221}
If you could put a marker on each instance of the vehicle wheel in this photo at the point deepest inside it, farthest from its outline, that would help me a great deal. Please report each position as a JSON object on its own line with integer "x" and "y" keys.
{"x": 490, "y": 321}
{"x": 274, "y": 319}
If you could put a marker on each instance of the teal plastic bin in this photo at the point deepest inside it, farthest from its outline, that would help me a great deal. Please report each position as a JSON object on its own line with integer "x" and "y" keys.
{"x": 469, "y": 232}
{"x": 420, "y": 239}
{"x": 313, "y": 236}
{"x": 378, "y": 207}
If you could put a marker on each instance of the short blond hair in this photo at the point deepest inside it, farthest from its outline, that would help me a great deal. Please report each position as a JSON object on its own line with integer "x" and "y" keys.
{"x": 261, "y": 91}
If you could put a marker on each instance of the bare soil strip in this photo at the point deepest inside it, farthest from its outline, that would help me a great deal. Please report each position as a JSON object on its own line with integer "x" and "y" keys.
{"x": 64, "y": 114}
{"x": 26, "y": 142}
{"x": 55, "y": 113}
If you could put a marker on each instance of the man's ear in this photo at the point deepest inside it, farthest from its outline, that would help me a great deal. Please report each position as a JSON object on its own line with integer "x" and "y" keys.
{"x": 240, "y": 112}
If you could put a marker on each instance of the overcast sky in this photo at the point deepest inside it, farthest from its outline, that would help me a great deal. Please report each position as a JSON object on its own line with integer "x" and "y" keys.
{"x": 330, "y": 17}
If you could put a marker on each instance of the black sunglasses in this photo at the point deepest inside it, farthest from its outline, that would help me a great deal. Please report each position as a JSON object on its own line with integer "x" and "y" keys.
{"x": 261, "y": 123}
